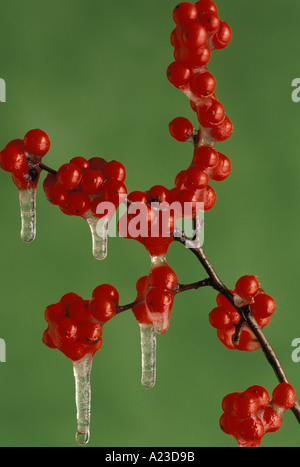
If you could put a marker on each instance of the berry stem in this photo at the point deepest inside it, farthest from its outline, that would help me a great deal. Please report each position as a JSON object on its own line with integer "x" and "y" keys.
{"x": 245, "y": 312}
{"x": 46, "y": 168}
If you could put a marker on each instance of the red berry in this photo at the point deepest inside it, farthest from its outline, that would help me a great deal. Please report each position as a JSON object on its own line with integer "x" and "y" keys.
{"x": 194, "y": 57}
{"x": 284, "y": 395}
{"x": 247, "y": 286}
{"x": 97, "y": 163}
{"x": 158, "y": 194}
{"x": 75, "y": 351}
{"x": 81, "y": 162}
{"x": 102, "y": 309}
{"x": 251, "y": 429}
{"x": 13, "y": 159}
{"x": 211, "y": 114}
{"x": 90, "y": 332}
{"x": 245, "y": 405}
{"x": 48, "y": 340}
{"x": 179, "y": 179}
{"x": 194, "y": 35}
{"x": 229, "y": 423}
{"x": 159, "y": 300}
{"x": 204, "y": 6}
{"x": 137, "y": 197}
{"x": 203, "y": 84}
{"x": 222, "y": 131}
{"x": 227, "y": 401}
{"x": 107, "y": 292}
{"x": 68, "y": 298}
{"x": 263, "y": 307}
{"x": 114, "y": 191}
{"x": 91, "y": 181}
{"x": 115, "y": 170}
{"x": 178, "y": 74}
{"x": 222, "y": 37}
{"x": 56, "y": 195}
{"x": 54, "y": 312}
{"x": 261, "y": 394}
{"x": 210, "y": 20}
{"x": 37, "y": 142}
{"x": 184, "y": 13}
{"x": 66, "y": 329}
{"x": 79, "y": 311}
{"x": 163, "y": 277}
{"x": 26, "y": 179}
{"x": 222, "y": 169}
{"x": 220, "y": 318}
{"x": 209, "y": 198}
{"x": 206, "y": 157}
{"x": 271, "y": 419}
{"x": 78, "y": 203}
{"x": 196, "y": 178}
{"x": 69, "y": 176}
{"x": 181, "y": 129}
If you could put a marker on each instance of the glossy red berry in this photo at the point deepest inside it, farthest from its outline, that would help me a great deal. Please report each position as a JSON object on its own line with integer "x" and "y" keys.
{"x": 263, "y": 307}
{"x": 204, "y": 6}
{"x": 209, "y": 198}
{"x": 106, "y": 292}
{"x": 222, "y": 169}
{"x": 181, "y": 129}
{"x": 271, "y": 419}
{"x": 13, "y": 159}
{"x": 211, "y": 114}
{"x": 210, "y": 20}
{"x": 91, "y": 181}
{"x": 206, "y": 158}
{"x": 247, "y": 286}
{"x": 220, "y": 318}
{"x": 56, "y": 194}
{"x": 115, "y": 170}
{"x": 184, "y": 13}
{"x": 37, "y": 142}
{"x": 223, "y": 130}
{"x": 251, "y": 429}
{"x": 97, "y": 163}
{"x": 102, "y": 309}
{"x": 203, "y": 84}
{"x": 54, "y": 312}
{"x": 163, "y": 277}
{"x": 90, "y": 332}
{"x": 81, "y": 162}
{"x": 194, "y": 35}
{"x": 78, "y": 203}
{"x": 284, "y": 396}
{"x": 69, "y": 176}
{"x": 196, "y": 178}
{"x": 79, "y": 311}
{"x": 222, "y": 37}
{"x": 245, "y": 405}
{"x": 178, "y": 74}
{"x": 114, "y": 191}
{"x": 69, "y": 298}
{"x": 159, "y": 300}
{"x": 66, "y": 329}
{"x": 194, "y": 57}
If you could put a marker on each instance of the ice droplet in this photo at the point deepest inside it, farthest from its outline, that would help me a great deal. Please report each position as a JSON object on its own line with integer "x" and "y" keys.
{"x": 82, "y": 374}
{"x": 27, "y": 200}
{"x": 99, "y": 231}
{"x": 148, "y": 348}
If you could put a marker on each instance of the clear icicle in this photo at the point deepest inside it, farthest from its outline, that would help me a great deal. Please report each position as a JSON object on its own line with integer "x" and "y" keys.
{"x": 99, "y": 231}
{"x": 27, "y": 200}
{"x": 82, "y": 374}
{"x": 148, "y": 348}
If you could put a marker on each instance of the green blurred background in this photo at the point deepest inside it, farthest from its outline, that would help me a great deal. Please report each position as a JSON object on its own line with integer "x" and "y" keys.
{"x": 92, "y": 74}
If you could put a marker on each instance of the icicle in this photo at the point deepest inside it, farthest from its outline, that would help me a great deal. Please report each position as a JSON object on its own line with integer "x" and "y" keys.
{"x": 157, "y": 260}
{"x": 148, "y": 348}
{"x": 99, "y": 231}
{"x": 82, "y": 373}
{"x": 27, "y": 200}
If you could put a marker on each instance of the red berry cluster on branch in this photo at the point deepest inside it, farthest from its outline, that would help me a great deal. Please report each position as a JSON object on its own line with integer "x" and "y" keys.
{"x": 75, "y": 325}
{"x": 250, "y": 414}
{"x": 155, "y": 298}
{"x": 82, "y": 185}
{"x": 232, "y": 330}
{"x": 21, "y": 158}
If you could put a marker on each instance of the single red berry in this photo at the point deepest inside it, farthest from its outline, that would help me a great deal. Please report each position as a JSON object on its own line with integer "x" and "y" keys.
{"x": 81, "y": 162}
{"x": 16, "y": 142}
{"x": 176, "y": 39}
{"x": 115, "y": 170}
{"x": 102, "y": 309}
{"x": 114, "y": 191}
{"x": 264, "y": 306}
{"x": 178, "y": 74}
{"x": 97, "y": 163}
{"x": 184, "y": 13}
{"x": 204, "y": 6}
{"x": 227, "y": 401}
{"x": 247, "y": 286}
{"x": 54, "y": 312}
{"x": 220, "y": 318}
{"x": 91, "y": 181}
{"x": 48, "y": 340}
{"x": 163, "y": 277}
{"x": 66, "y": 330}
{"x": 229, "y": 423}
{"x": 271, "y": 419}
{"x": 56, "y": 194}
{"x": 222, "y": 131}
{"x": 284, "y": 395}
{"x": 107, "y": 292}
{"x": 203, "y": 84}
{"x": 210, "y": 20}
{"x": 142, "y": 286}
{"x": 222, "y": 169}
{"x": 13, "y": 159}
{"x": 181, "y": 129}
{"x": 262, "y": 395}
{"x": 75, "y": 351}
{"x": 245, "y": 405}
{"x": 159, "y": 300}
{"x": 78, "y": 203}
{"x": 37, "y": 142}
{"x": 179, "y": 179}
{"x": 251, "y": 429}
{"x": 194, "y": 35}
{"x": 158, "y": 194}
{"x": 137, "y": 197}
{"x": 206, "y": 158}
{"x": 79, "y": 311}
{"x": 90, "y": 332}
{"x": 69, "y": 176}
{"x": 196, "y": 178}
{"x": 142, "y": 313}
{"x": 68, "y": 298}
{"x": 209, "y": 198}
{"x": 222, "y": 37}
{"x": 211, "y": 114}
{"x": 194, "y": 57}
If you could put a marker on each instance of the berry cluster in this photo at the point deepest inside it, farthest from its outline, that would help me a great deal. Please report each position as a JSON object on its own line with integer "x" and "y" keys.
{"x": 198, "y": 31}
{"x": 226, "y": 319}
{"x": 85, "y": 185}
{"x": 21, "y": 158}
{"x": 155, "y": 298}
{"x": 250, "y": 414}
{"x": 75, "y": 325}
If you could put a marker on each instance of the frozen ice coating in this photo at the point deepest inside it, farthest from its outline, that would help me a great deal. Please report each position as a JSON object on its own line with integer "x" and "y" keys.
{"x": 148, "y": 348}
{"x": 99, "y": 231}
{"x": 158, "y": 260}
{"x": 82, "y": 374}
{"x": 27, "y": 200}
